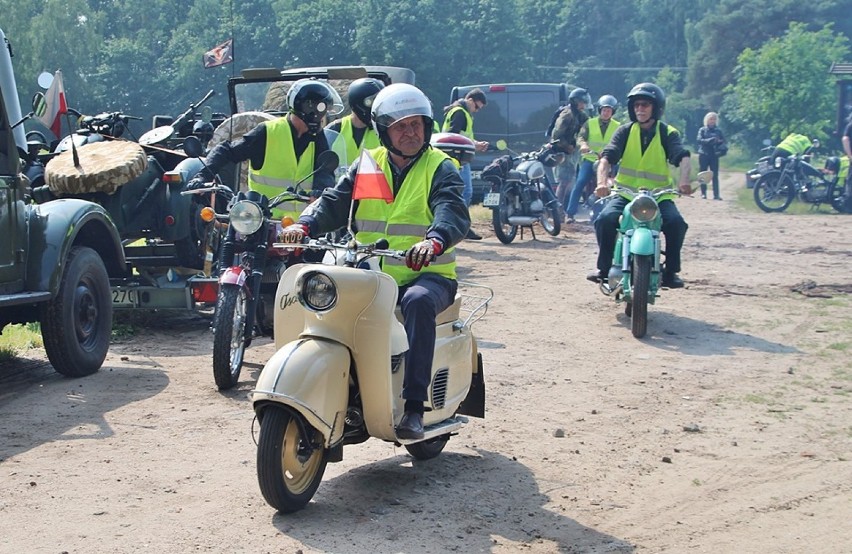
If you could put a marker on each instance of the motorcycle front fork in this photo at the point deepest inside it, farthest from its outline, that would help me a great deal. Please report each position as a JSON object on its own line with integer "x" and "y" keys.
{"x": 619, "y": 281}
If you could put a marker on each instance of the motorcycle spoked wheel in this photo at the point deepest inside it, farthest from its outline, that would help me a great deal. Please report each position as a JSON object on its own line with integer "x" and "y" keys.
{"x": 551, "y": 220}
{"x": 639, "y": 300}
{"x": 504, "y": 230}
{"x": 428, "y": 449}
{"x": 773, "y": 192}
{"x": 288, "y": 472}
{"x": 229, "y": 340}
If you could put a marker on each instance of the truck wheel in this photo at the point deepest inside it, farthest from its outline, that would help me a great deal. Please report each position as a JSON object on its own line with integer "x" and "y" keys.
{"x": 77, "y": 322}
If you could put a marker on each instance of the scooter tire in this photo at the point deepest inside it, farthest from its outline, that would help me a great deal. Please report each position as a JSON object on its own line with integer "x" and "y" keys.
{"x": 428, "y": 449}
{"x": 229, "y": 343}
{"x": 288, "y": 479}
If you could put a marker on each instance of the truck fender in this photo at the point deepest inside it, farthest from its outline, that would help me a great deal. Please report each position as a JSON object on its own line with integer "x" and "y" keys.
{"x": 311, "y": 377}
{"x": 58, "y": 225}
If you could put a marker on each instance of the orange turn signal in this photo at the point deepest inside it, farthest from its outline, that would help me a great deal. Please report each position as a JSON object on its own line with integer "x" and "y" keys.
{"x": 207, "y": 214}
{"x": 286, "y": 221}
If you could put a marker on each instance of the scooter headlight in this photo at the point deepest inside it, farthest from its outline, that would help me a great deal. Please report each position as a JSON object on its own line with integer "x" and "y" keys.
{"x": 317, "y": 292}
{"x": 644, "y": 209}
{"x": 246, "y": 217}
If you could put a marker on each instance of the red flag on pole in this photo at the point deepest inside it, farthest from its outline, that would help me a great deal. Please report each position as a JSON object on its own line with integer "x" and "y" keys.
{"x": 370, "y": 181}
{"x": 220, "y": 54}
{"x": 55, "y": 101}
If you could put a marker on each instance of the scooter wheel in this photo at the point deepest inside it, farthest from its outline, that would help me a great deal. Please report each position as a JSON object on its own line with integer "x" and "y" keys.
{"x": 428, "y": 449}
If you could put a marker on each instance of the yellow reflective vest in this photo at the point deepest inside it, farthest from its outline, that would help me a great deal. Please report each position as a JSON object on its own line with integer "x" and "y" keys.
{"x": 344, "y": 146}
{"x": 468, "y": 129}
{"x": 281, "y": 169}
{"x": 648, "y": 170}
{"x": 596, "y": 140}
{"x": 795, "y": 143}
{"x": 404, "y": 221}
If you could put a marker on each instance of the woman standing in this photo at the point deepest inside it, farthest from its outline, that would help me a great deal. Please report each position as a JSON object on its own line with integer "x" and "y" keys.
{"x": 711, "y": 146}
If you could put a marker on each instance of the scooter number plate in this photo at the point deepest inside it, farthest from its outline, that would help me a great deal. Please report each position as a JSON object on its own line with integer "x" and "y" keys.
{"x": 491, "y": 199}
{"x": 124, "y": 297}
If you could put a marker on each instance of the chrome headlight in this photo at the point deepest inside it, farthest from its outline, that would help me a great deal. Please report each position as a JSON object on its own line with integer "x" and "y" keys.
{"x": 644, "y": 209}
{"x": 317, "y": 292}
{"x": 246, "y": 217}
{"x": 779, "y": 161}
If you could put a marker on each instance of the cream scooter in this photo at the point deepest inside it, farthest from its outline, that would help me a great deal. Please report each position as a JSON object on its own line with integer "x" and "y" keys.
{"x": 336, "y": 377}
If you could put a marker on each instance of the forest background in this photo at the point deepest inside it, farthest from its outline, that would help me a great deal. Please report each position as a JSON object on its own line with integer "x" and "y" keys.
{"x": 763, "y": 66}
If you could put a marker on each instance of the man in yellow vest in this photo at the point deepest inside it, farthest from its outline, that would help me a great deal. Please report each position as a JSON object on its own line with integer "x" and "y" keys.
{"x": 643, "y": 147}
{"x": 458, "y": 118}
{"x": 427, "y": 218}
{"x": 284, "y": 151}
{"x": 354, "y": 131}
{"x": 594, "y": 135}
{"x": 794, "y": 143}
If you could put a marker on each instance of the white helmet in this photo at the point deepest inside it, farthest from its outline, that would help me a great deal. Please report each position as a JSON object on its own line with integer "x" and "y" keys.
{"x": 400, "y": 101}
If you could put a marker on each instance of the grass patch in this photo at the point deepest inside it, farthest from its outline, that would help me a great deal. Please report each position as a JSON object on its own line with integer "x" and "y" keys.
{"x": 839, "y": 346}
{"x": 19, "y": 338}
{"x": 480, "y": 214}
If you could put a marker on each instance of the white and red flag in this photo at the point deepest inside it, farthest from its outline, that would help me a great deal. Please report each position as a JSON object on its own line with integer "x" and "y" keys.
{"x": 370, "y": 181}
{"x": 219, "y": 54}
{"x": 55, "y": 101}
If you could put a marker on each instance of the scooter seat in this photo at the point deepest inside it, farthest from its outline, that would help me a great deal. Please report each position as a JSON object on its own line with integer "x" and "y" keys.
{"x": 449, "y": 315}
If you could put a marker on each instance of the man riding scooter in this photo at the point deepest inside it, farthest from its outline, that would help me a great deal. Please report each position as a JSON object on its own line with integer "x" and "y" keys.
{"x": 427, "y": 218}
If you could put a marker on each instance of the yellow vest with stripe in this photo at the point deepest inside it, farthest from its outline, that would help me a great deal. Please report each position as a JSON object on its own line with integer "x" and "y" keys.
{"x": 795, "y": 144}
{"x": 280, "y": 168}
{"x": 596, "y": 140}
{"x": 468, "y": 129}
{"x": 404, "y": 221}
{"x": 344, "y": 146}
{"x": 648, "y": 170}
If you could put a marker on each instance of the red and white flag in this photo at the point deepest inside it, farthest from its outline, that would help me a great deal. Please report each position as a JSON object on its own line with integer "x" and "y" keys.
{"x": 370, "y": 181}
{"x": 55, "y": 100}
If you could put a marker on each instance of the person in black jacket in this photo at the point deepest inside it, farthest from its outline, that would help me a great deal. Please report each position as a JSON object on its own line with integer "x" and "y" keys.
{"x": 711, "y": 143}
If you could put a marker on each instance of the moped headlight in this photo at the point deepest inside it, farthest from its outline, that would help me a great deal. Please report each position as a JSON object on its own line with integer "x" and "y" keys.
{"x": 317, "y": 292}
{"x": 779, "y": 161}
{"x": 246, "y": 217}
{"x": 644, "y": 209}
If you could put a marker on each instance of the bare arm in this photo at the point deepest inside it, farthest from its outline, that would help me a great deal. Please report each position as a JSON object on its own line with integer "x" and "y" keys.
{"x": 603, "y": 178}
{"x": 683, "y": 182}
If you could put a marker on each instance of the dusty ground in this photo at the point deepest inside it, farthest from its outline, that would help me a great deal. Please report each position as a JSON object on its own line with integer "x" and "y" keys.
{"x": 728, "y": 429}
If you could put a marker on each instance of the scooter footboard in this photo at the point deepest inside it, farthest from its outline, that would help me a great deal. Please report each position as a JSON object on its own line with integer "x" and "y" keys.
{"x": 312, "y": 377}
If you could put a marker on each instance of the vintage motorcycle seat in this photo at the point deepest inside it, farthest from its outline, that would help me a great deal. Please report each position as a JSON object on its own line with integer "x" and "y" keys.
{"x": 104, "y": 166}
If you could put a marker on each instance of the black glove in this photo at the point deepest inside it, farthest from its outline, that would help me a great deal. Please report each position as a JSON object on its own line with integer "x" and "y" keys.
{"x": 196, "y": 183}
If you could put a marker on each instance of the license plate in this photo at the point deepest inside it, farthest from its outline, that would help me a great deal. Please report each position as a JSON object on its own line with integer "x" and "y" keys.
{"x": 491, "y": 199}
{"x": 125, "y": 297}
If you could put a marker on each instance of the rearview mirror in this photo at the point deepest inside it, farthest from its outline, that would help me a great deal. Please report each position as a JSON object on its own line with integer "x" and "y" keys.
{"x": 39, "y": 104}
{"x": 328, "y": 160}
{"x": 502, "y": 144}
{"x": 45, "y": 79}
{"x": 192, "y": 147}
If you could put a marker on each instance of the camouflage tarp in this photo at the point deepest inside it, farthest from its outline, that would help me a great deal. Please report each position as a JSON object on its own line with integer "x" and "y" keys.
{"x": 104, "y": 166}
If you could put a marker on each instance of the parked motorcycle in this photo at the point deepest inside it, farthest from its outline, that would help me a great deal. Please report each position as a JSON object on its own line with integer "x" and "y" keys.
{"x": 251, "y": 265}
{"x": 336, "y": 377}
{"x": 637, "y": 267}
{"x": 793, "y": 176}
{"x": 521, "y": 193}
{"x": 761, "y": 166}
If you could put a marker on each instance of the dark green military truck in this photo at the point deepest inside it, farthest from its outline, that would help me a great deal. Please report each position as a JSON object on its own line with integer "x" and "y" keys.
{"x": 56, "y": 258}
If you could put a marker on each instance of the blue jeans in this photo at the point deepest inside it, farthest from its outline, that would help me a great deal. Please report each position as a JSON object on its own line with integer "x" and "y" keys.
{"x": 585, "y": 173}
{"x": 467, "y": 178}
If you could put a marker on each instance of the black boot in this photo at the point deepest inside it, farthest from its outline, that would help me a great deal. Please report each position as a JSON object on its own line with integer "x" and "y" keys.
{"x": 703, "y": 190}
{"x": 716, "y": 192}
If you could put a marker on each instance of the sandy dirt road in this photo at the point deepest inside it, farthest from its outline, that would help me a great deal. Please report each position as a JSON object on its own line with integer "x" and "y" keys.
{"x": 727, "y": 429}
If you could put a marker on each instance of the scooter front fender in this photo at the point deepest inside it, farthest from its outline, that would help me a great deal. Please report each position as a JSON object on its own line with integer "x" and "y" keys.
{"x": 311, "y": 376}
{"x": 234, "y": 275}
{"x": 642, "y": 242}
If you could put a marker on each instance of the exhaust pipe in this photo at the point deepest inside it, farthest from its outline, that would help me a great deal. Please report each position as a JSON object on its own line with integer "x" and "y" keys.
{"x": 520, "y": 220}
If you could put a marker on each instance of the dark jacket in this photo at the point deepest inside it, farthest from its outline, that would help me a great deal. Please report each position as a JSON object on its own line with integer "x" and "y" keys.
{"x": 566, "y": 127}
{"x": 252, "y": 147}
{"x": 450, "y": 222}
{"x": 708, "y": 139}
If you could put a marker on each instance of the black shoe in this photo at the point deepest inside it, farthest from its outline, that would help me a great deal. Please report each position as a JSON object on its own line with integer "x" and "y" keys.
{"x": 410, "y": 426}
{"x": 471, "y": 235}
{"x": 717, "y": 198}
{"x": 704, "y": 196}
{"x": 672, "y": 281}
{"x": 595, "y": 276}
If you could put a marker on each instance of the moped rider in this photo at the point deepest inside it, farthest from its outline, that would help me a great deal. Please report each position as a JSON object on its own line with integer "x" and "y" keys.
{"x": 643, "y": 146}
{"x": 427, "y": 218}
{"x": 593, "y": 136}
{"x": 355, "y": 130}
{"x": 794, "y": 143}
{"x": 285, "y": 150}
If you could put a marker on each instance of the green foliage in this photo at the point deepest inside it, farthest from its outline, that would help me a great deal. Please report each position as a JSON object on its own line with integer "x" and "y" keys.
{"x": 784, "y": 86}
